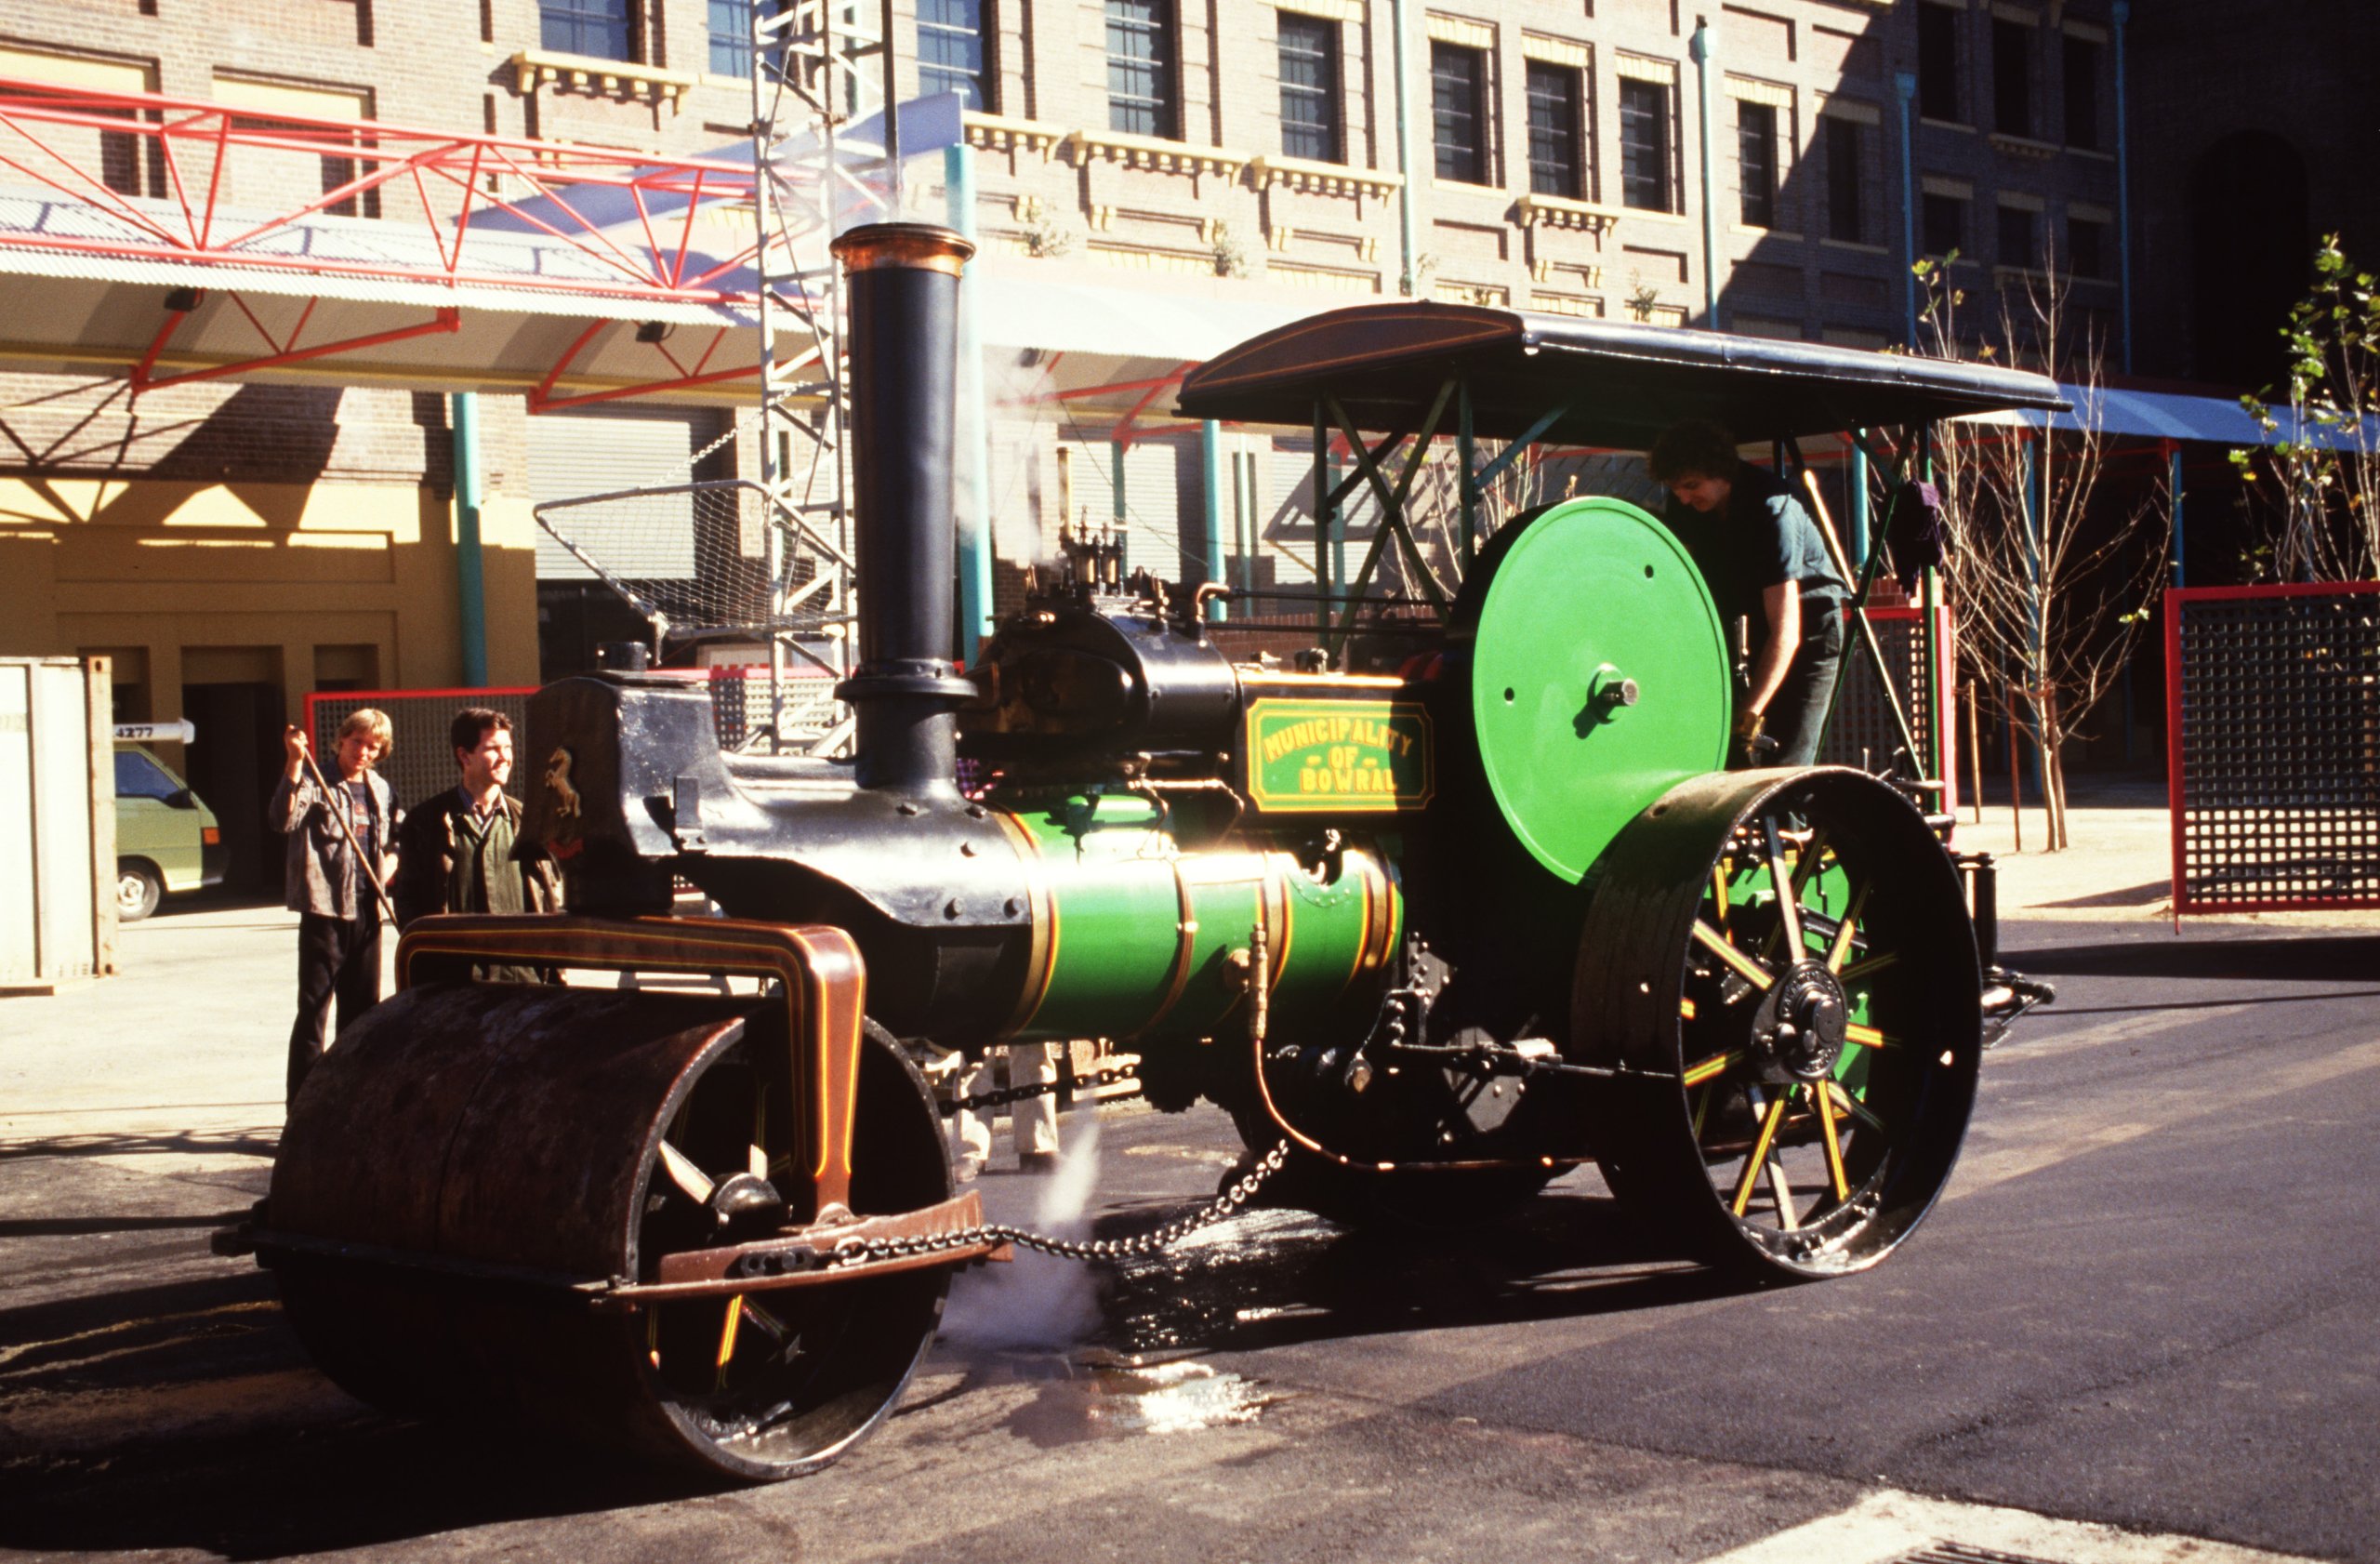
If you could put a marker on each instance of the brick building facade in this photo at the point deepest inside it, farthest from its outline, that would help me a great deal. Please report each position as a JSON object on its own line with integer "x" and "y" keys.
{"x": 1559, "y": 150}
{"x": 286, "y": 540}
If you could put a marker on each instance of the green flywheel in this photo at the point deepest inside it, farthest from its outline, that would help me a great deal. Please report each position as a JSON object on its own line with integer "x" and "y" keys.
{"x": 1593, "y": 603}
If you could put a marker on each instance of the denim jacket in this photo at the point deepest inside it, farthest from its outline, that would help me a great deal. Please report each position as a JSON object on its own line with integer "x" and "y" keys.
{"x": 321, "y": 875}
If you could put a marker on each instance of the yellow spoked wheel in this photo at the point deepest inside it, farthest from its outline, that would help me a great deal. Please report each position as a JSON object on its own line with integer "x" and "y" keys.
{"x": 1782, "y": 966}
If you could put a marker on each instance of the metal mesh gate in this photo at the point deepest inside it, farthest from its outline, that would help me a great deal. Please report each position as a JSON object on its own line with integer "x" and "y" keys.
{"x": 2273, "y": 754}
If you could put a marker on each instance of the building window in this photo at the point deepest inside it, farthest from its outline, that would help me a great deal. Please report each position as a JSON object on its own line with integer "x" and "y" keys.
{"x": 1938, "y": 62}
{"x": 1942, "y": 224}
{"x": 2081, "y": 84}
{"x": 600, "y": 29}
{"x": 1457, "y": 92}
{"x": 1310, "y": 87}
{"x": 731, "y": 37}
{"x": 131, "y": 165}
{"x": 950, "y": 51}
{"x": 1140, "y": 68}
{"x": 1557, "y": 164}
{"x": 2016, "y": 244}
{"x": 2087, "y": 246}
{"x": 1845, "y": 213}
{"x": 2012, "y": 77}
{"x": 1645, "y": 145}
{"x": 339, "y": 172}
{"x": 1756, "y": 162}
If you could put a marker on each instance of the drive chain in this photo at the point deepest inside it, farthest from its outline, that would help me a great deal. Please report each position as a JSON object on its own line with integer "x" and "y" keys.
{"x": 857, "y": 1250}
{"x": 1008, "y": 1094}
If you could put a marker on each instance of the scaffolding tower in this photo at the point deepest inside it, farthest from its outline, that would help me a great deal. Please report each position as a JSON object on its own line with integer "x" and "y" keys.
{"x": 771, "y": 555}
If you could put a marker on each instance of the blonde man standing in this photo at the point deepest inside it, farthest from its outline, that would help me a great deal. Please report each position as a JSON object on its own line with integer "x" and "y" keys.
{"x": 336, "y": 903}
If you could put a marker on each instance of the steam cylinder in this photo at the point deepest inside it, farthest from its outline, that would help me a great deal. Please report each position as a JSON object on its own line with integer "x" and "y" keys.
{"x": 904, "y": 297}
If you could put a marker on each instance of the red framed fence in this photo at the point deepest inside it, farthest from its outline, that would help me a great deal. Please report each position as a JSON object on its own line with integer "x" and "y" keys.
{"x": 2273, "y": 745}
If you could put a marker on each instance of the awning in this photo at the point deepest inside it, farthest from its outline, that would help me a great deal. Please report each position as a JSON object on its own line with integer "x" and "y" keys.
{"x": 2169, "y": 415}
{"x": 463, "y": 262}
{"x": 348, "y": 300}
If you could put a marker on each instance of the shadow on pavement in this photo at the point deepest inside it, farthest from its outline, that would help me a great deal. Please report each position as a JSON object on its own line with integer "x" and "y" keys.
{"x": 2254, "y": 957}
{"x": 1288, "y": 1277}
{"x": 2149, "y": 894}
{"x": 261, "y": 1142}
{"x": 83, "y": 1226}
{"x": 186, "y": 1416}
{"x": 315, "y": 1490}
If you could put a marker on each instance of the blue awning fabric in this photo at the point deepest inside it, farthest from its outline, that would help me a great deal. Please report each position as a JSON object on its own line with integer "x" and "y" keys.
{"x": 2167, "y": 415}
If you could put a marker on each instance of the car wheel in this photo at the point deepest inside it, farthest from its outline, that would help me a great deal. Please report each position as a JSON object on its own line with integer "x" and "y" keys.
{"x": 138, "y": 890}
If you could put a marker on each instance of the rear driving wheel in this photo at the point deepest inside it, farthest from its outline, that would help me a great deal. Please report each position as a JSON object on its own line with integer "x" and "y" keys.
{"x": 1783, "y": 967}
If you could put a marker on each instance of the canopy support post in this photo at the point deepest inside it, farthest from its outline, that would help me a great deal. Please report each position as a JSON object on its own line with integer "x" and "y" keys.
{"x": 1210, "y": 451}
{"x": 1468, "y": 491}
{"x": 1896, "y": 467}
{"x": 1321, "y": 523}
{"x": 1392, "y": 505}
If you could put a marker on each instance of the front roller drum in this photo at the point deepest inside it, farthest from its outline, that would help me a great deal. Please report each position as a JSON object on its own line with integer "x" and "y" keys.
{"x": 475, "y": 1182}
{"x": 1780, "y": 968}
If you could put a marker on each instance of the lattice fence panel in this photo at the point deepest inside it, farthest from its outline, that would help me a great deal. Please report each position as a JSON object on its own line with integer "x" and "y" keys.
{"x": 1863, "y": 734}
{"x": 2274, "y": 757}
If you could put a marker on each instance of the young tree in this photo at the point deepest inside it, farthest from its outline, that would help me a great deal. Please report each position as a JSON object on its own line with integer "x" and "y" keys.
{"x": 2322, "y": 469}
{"x": 2048, "y": 581}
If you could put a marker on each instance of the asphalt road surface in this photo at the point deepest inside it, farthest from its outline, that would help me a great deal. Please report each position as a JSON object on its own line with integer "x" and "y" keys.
{"x": 2148, "y": 1300}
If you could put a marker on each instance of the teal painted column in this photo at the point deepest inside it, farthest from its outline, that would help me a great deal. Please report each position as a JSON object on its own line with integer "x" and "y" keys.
{"x": 1860, "y": 544}
{"x": 1703, "y": 47}
{"x": 2033, "y": 483}
{"x": 1905, "y": 89}
{"x": 1400, "y": 24}
{"x": 2121, "y": 14}
{"x": 975, "y": 454}
{"x": 470, "y": 578}
{"x": 2173, "y": 482}
{"x": 1249, "y": 522}
{"x": 1116, "y": 449}
{"x": 1210, "y": 448}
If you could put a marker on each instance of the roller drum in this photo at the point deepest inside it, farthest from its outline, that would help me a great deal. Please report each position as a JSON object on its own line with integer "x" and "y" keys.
{"x": 476, "y": 1150}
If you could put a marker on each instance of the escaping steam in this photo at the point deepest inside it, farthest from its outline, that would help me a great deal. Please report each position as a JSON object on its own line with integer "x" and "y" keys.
{"x": 1037, "y": 1300}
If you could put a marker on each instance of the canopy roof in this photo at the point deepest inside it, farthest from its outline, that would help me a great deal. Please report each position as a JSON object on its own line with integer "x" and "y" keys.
{"x": 1617, "y": 384}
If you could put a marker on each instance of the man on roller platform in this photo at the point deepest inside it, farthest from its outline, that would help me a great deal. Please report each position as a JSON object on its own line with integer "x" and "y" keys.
{"x": 458, "y": 852}
{"x": 1764, "y": 560}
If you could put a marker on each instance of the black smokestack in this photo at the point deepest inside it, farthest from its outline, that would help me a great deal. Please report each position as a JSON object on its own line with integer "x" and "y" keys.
{"x": 903, "y": 281}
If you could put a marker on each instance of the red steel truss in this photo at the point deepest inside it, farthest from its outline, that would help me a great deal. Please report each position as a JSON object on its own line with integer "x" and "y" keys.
{"x": 632, "y": 217}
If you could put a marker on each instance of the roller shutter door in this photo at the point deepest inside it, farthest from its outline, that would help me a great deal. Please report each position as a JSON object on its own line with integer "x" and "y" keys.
{"x": 575, "y": 453}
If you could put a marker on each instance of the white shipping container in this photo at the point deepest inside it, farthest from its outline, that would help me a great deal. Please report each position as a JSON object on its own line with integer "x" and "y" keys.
{"x": 57, "y": 914}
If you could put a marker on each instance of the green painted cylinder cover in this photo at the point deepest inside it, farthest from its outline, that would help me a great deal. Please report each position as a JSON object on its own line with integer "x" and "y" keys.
{"x": 1135, "y": 938}
{"x": 1599, "y": 678}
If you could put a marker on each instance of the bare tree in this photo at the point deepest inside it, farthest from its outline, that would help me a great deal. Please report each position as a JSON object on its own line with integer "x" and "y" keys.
{"x": 2321, "y": 471}
{"x": 2049, "y": 583}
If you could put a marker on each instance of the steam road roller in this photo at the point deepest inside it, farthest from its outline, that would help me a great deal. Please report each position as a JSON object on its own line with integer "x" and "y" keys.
{"x": 1431, "y": 927}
